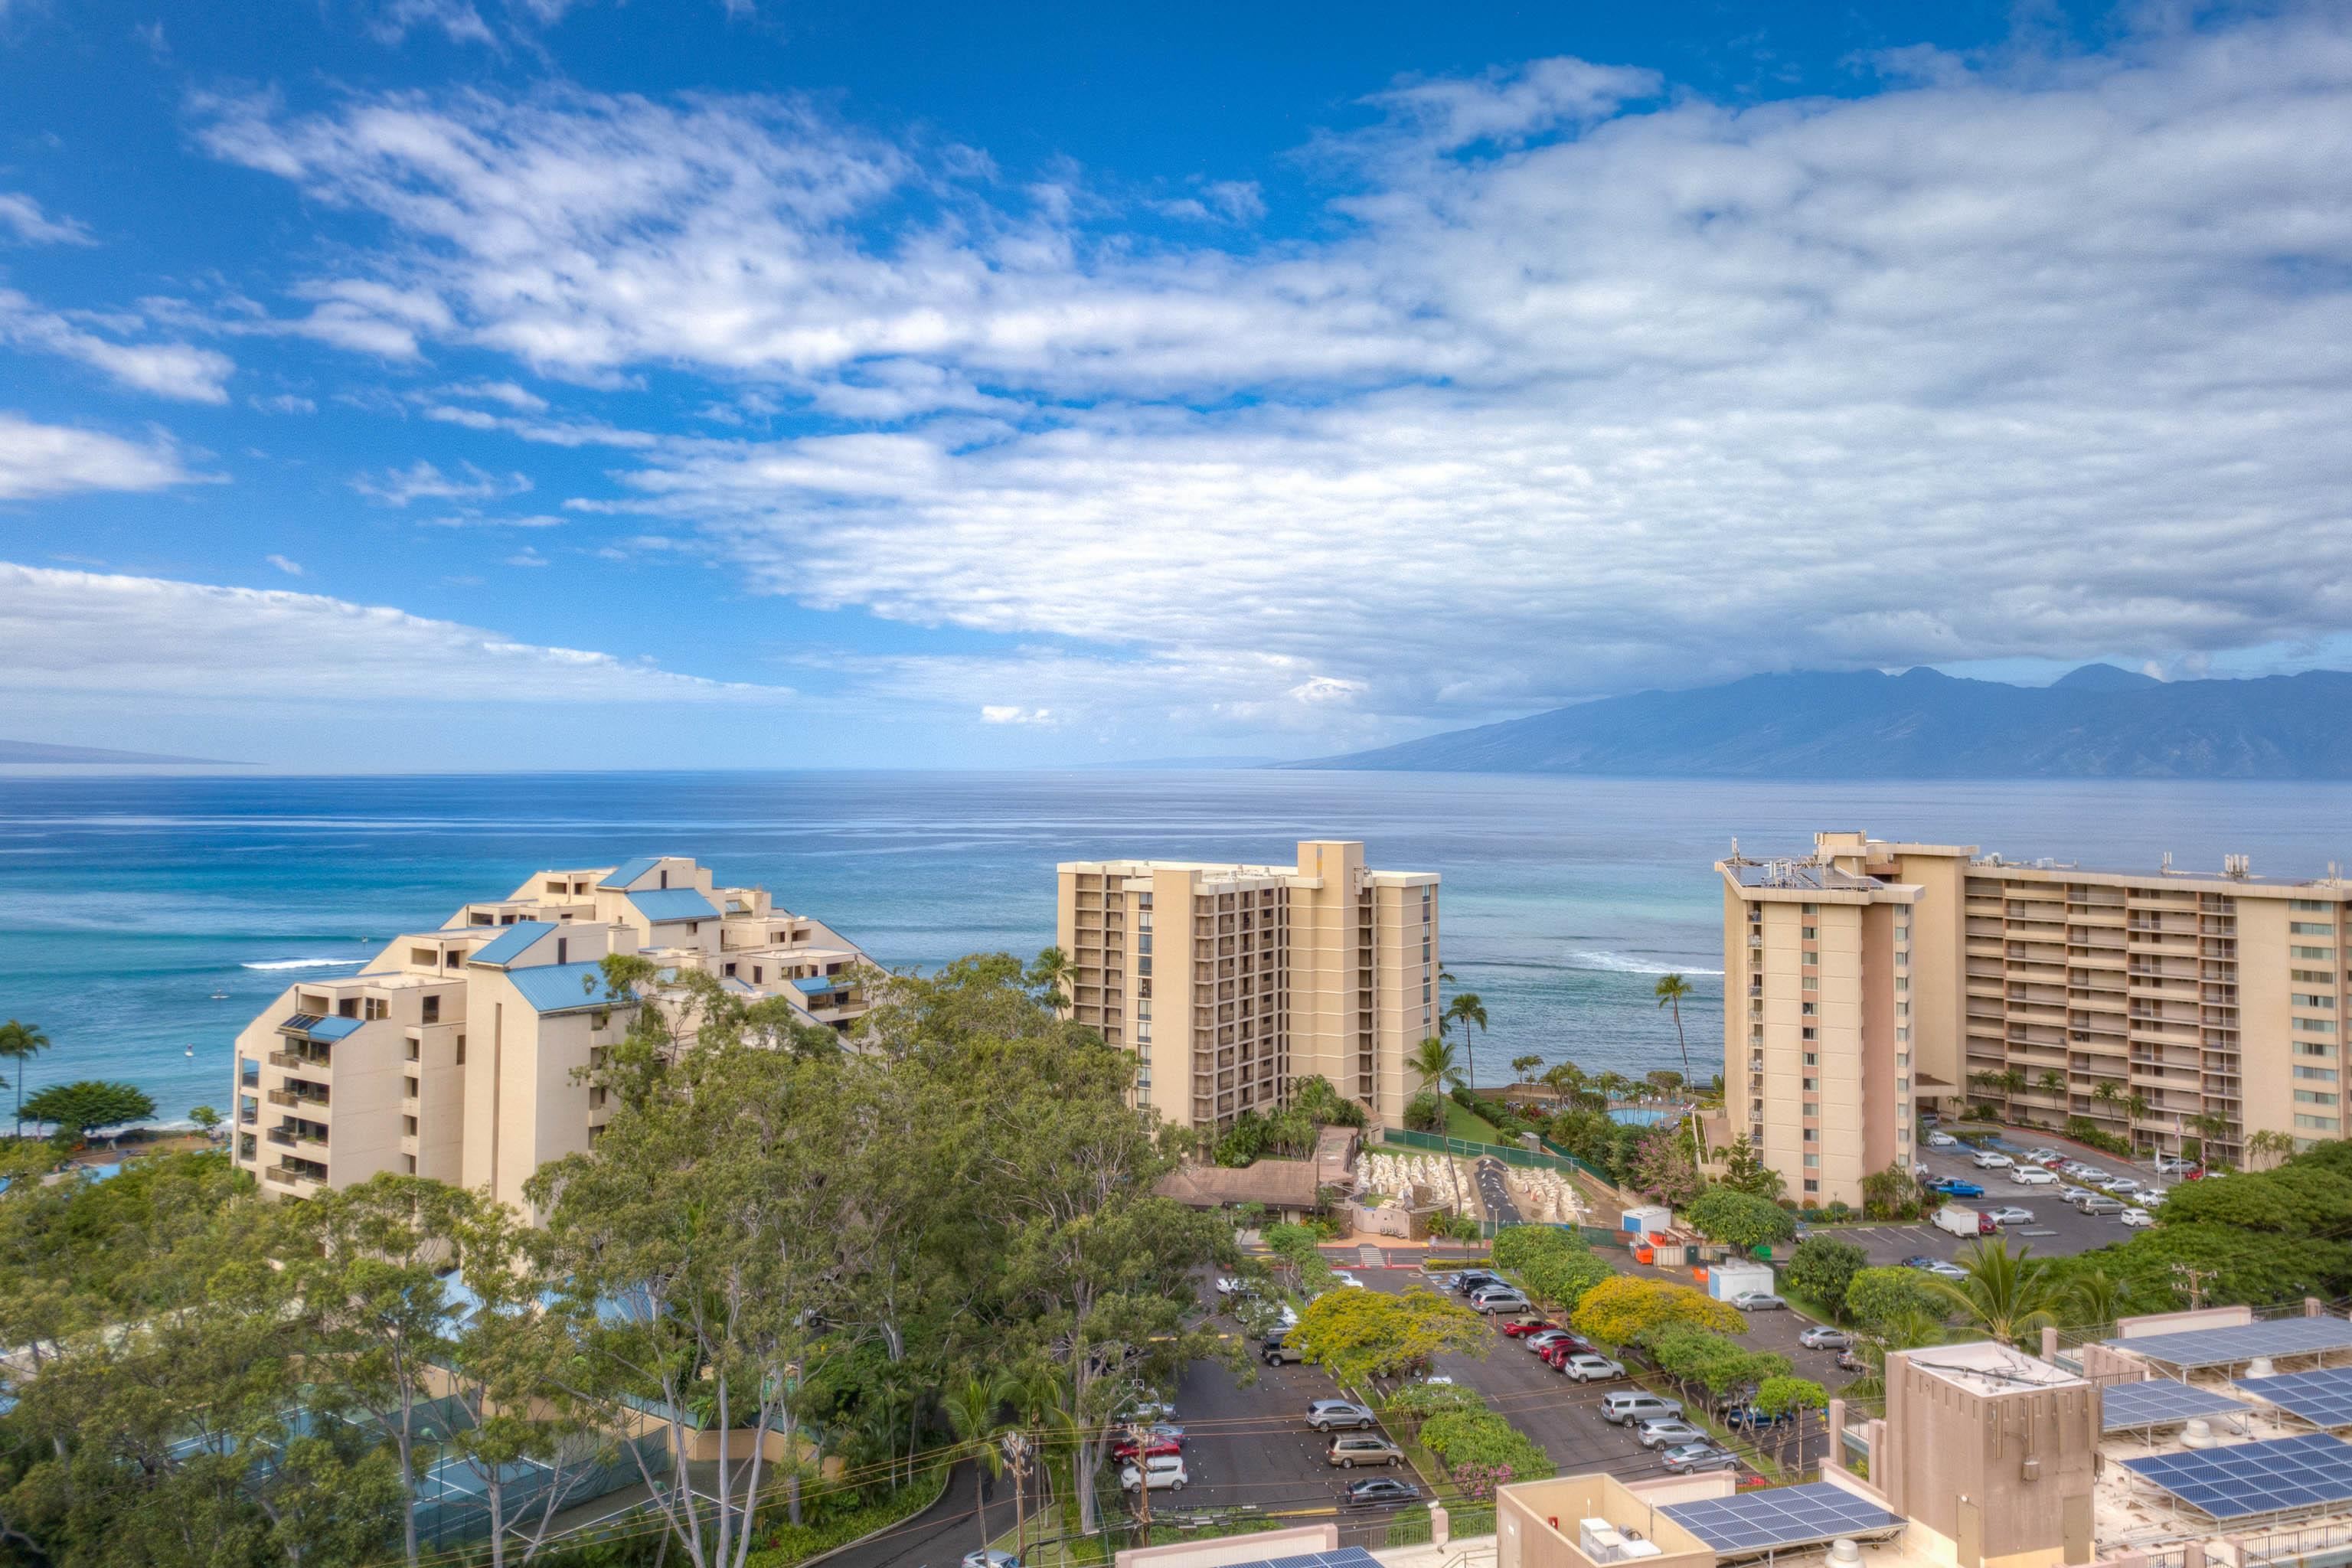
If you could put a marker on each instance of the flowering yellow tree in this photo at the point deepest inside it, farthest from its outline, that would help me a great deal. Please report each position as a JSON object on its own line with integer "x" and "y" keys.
{"x": 1619, "y": 1311}
{"x": 1356, "y": 1334}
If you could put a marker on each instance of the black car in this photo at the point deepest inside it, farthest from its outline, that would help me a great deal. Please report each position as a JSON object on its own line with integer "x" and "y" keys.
{"x": 1470, "y": 1279}
{"x": 1380, "y": 1492}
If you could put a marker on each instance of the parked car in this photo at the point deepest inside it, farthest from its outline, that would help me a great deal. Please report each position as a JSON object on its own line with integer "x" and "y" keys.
{"x": 2027, "y": 1176}
{"x": 1936, "y": 1265}
{"x": 1275, "y": 1349}
{"x": 2122, "y": 1186}
{"x": 1636, "y": 1406}
{"x": 2036, "y": 1156}
{"x": 2173, "y": 1165}
{"x": 1585, "y": 1366}
{"x": 2151, "y": 1198}
{"x": 1378, "y": 1491}
{"x": 1147, "y": 1411}
{"x": 1471, "y": 1281}
{"x": 2090, "y": 1175}
{"x": 1493, "y": 1302}
{"x": 1162, "y": 1472}
{"x": 2010, "y": 1214}
{"x": 1748, "y": 1417}
{"x": 2071, "y": 1195}
{"x": 2137, "y": 1219}
{"x": 1821, "y": 1337}
{"x": 1327, "y": 1414}
{"x": 1526, "y": 1328}
{"x": 1342, "y": 1277}
{"x": 1990, "y": 1160}
{"x": 1919, "y": 1260}
{"x": 1953, "y": 1187}
{"x": 1543, "y": 1342}
{"x": 2100, "y": 1203}
{"x": 1942, "y": 1141}
{"x": 1555, "y": 1354}
{"x": 991, "y": 1558}
{"x": 1231, "y": 1286}
{"x": 1758, "y": 1301}
{"x": 1124, "y": 1450}
{"x": 1850, "y": 1360}
{"x": 1693, "y": 1457}
{"x": 1669, "y": 1432}
{"x": 1362, "y": 1448}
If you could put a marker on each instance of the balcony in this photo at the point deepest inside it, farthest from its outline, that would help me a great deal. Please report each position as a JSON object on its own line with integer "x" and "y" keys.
{"x": 294, "y": 1100}
{"x": 303, "y": 1175}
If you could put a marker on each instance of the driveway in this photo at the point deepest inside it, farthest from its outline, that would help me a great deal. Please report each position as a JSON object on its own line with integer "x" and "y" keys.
{"x": 1494, "y": 1193}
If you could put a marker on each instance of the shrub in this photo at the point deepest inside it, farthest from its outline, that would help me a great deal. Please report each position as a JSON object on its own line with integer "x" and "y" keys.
{"x": 1877, "y": 1295}
{"x": 1481, "y": 1438}
{"x": 2082, "y": 1130}
{"x": 1822, "y": 1267}
{"x": 1554, "y": 1265}
{"x": 1738, "y": 1219}
{"x": 1425, "y": 1114}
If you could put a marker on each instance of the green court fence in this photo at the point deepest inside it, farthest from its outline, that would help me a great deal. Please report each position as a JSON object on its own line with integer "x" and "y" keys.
{"x": 1558, "y": 1160}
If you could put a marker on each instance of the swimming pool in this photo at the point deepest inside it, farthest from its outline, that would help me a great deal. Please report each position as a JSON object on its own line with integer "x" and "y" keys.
{"x": 1645, "y": 1115}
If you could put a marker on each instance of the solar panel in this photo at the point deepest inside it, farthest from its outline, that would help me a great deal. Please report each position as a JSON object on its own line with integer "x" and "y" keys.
{"x": 2159, "y": 1400}
{"x": 2310, "y": 1471}
{"x": 1343, "y": 1557}
{"x": 2219, "y": 1347}
{"x": 1781, "y": 1516}
{"x": 2322, "y": 1398}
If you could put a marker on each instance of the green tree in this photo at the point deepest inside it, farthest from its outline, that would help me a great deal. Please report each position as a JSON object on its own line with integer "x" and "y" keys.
{"x": 1737, "y": 1219}
{"x": 1663, "y": 1167}
{"x": 20, "y": 1043}
{"x": 1466, "y": 1009}
{"x": 974, "y": 1405}
{"x": 1435, "y": 1063}
{"x": 1049, "y": 977}
{"x": 76, "y": 1108}
{"x": 1876, "y": 1296}
{"x": 2095, "y": 1298}
{"x": 1823, "y": 1269}
{"x": 1670, "y": 991}
{"x": 2006, "y": 1294}
{"x": 206, "y": 1118}
{"x": 1890, "y": 1193}
{"x": 1525, "y": 1067}
{"x": 1789, "y": 1396}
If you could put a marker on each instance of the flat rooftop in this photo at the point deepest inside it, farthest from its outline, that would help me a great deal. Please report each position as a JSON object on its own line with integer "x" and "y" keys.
{"x": 1986, "y": 1368}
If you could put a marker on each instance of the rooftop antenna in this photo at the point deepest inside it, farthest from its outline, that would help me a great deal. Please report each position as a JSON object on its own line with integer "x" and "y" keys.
{"x": 2168, "y": 863}
{"x": 2237, "y": 866}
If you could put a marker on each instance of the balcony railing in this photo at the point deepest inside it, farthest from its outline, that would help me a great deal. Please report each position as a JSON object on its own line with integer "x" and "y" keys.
{"x": 299, "y": 1061}
{"x": 290, "y": 1175}
{"x": 293, "y": 1100}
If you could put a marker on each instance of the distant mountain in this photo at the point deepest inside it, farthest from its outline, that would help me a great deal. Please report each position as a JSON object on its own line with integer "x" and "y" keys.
{"x": 14, "y": 751}
{"x": 1179, "y": 764}
{"x": 2097, "y": 721}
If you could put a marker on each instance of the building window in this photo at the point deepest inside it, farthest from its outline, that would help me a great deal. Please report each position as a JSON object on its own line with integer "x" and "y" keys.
{"x": 1812, "y": 1186}
{"x": 694, "y": 928}
{"x": 1808, "y": 909}
{"x": 1810, "y": 1032}
{"x": 431, "y": 1010}
{"x": 2310, "y": 906}
{"x": 2322, "y": 954}
{"x": 2314, "y": 1048}
{"x": 2315, "y": 1025}
{"x": 461, "y": 1050}
{"x": 2309, "y": 999}
{"x": 2310, "y": 928}
{"x": 2313, "y": 1097}
{"x": 1813, "y": 1059}
{"x": 1811, "y": 1084}
{"x": 2317, "y": 1075}
{"x": 562, "y": 950}
{"x": 1810, "y": 933}
{"x": 1809, "y": 1008}
{"x": 1813, "y": 982}
{"x": 1812, "y": 1162}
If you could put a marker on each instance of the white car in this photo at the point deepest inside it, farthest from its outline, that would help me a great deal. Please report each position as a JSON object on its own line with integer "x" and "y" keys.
{"x": 2137, "y": 1219}
{"x": 2173, "y": 1165}
{"x": 2009, "y": 1215}
{"x": 991, "y": 1558}
{"x": 1342, "y": 1277}
{"x": 1990, "y": 1159}
{"x": 2027, "y": 1176}
{"x": 1163, "y": 1472}
{"x": 1942, "y": 1141}
{"x": 2122, "y": 1186}
{"x": 1945, "y": 1271}
{"x": 2151, "y": 1198}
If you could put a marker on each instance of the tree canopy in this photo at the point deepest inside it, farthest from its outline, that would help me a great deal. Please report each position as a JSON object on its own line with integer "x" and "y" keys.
{"x": 1359, "y": 1334}
{"x": 1823, "y": 1266}
{"x": 1875, "y": 1296}
{"x": 1739, "y": 1219}
{"x": 1624, "y": 1308}
{"x": 76, "y": 1108}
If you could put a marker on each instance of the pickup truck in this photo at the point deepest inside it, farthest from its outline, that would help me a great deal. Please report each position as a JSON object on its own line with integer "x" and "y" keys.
{"x": 1958, "y": 1219}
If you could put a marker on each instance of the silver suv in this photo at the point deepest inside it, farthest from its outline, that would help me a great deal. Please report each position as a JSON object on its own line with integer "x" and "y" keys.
{"x": 1362, "y": 1448}
{"x": 1328, "y": 1414}
{"x": 1631, "y": 1405}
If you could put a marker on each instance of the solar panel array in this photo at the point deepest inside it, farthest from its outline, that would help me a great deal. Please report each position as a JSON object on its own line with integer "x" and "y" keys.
{"x": 1342, "y": 1557}
{"x": 2219, "y": 1347}
{"x": 2322, "y": 1398}
{"x": 2126, "y": 1405}
{"x": 2313, "y": 1471}
{"x": 1780, "y": 1516}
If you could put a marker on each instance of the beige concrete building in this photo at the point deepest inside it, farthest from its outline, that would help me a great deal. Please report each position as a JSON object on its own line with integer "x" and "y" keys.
{"x": 457, "y": 1053}
{"x": 1231, "y": 982}
{"x": 1872, "y": 977}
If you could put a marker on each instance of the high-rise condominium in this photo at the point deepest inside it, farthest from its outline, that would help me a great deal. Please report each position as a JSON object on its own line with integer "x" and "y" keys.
{"x": 1232, "y": 983}
{"x": 460, "y": 1053}
{"x": 1873, "y": 979}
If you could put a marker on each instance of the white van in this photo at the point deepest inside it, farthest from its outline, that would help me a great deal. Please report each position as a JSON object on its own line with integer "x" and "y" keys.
{"x": 1162, "y": 1472}
{"x": 2027, "y": 1176}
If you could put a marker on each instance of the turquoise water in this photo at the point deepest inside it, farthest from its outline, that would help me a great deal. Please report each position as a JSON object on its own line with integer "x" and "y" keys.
{"x": 1643, "y": 1115}
{"x": 130, "y": 901}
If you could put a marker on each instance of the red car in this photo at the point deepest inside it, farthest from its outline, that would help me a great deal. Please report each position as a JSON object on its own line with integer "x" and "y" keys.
{"x": 1560, "y": 1350}
{"x": 1123, "y": 1451}
{"x": 1524, "y": 1327}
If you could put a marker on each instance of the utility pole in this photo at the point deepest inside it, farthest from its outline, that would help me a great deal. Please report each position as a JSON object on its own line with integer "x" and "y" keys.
{"x": 1016, "y": 1456}
{"x": 2192, "y": 1280}
{"x": 1141, "y": 1436}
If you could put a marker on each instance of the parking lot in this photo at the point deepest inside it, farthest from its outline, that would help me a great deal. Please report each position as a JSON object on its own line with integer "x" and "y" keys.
{"x": 2058, "y": 1228}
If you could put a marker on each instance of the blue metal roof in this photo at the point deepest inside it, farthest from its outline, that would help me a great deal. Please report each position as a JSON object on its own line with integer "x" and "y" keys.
{"x": 320, "y": 1028}
{"x": 511, "y": 942}
{"x": 816, "y": 983}
{"x": 628, "y": 871}
{"x": 563, "y": 987}
{"x": 673, "y": 904}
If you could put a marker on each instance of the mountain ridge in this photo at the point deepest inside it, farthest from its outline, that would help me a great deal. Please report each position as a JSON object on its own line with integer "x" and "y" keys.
{"x": 2097, "y": 721}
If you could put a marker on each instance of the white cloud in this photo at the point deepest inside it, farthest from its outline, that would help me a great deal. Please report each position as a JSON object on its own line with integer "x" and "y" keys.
{"x": 37, "y": 462}
{"x": 22, "y": 217}
{"x": 80, "y": 632}
{"x": 284, "y": 403}
{"x": 1004, "y": 714}
{"x": 291, "y": 568}
{"x": 423, "y": 480}
{"x": 168, "y": 369}
{"x": 1585, "y": 383}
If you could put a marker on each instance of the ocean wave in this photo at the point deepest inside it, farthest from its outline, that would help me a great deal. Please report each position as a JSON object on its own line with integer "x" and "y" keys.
{"x": 1618, "y": 963}
{"x": 306, "y": 963}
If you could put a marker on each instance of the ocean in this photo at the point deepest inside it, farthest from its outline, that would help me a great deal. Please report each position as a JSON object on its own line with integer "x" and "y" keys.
{"x": 132, "y": 901}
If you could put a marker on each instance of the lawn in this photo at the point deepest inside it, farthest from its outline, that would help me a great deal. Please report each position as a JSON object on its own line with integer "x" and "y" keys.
{"x": 1470, "y": 1127}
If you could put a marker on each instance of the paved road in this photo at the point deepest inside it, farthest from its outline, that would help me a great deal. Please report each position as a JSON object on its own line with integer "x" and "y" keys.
{"x": 936, "y": 1538}
{"x": 1494, "y": 1193}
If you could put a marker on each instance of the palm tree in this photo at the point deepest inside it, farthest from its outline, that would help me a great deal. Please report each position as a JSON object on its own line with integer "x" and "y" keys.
{"x": 2095, "y": 1299}
{"x": 1909, "y": 1330}
{"x": 971, "y": 1406}
{"x": 2054, "y": 1083}
{"x": 1049, "y": 977}
{"x": 2006, "y": 1294}
{"x": 1433, "y": 1060}
{"x": 1525, "y": 1067}
{"x": 1567, "y": 1080}
{"x": 1466, "y": 1009}
{"x": 2269, "y": 1141}
{"x": 20, "y": 1043}
{"x": 1670, "y": 991}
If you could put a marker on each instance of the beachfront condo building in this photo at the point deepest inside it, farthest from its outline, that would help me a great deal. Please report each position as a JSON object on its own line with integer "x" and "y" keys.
{"x": 1871, "y": 980}
{"x": 462, "y": 1053}
{"x": 1231, "y": 983}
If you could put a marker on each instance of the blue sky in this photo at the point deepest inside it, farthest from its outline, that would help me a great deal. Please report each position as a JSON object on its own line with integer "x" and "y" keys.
{"x": 490, "y": 383}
